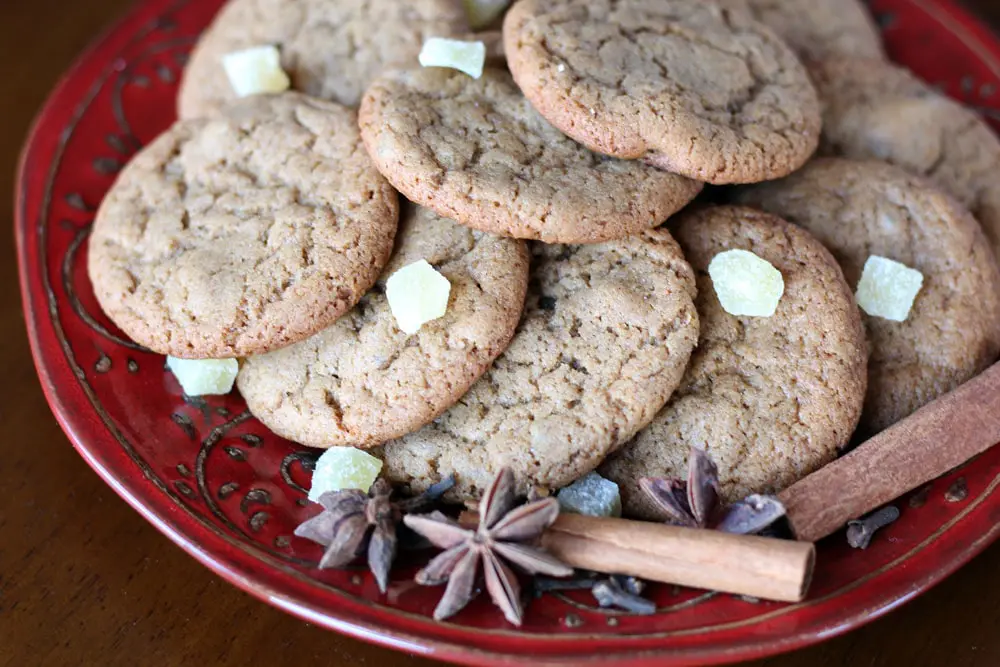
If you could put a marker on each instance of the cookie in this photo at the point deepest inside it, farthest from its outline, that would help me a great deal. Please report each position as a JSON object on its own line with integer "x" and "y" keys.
{"x": 245, "y": 233}
{"x": 475, "y": 151}
{"x": 818, "y": 29}
{"x": 874, "y": 109}
{"x": 688, "y": 86}
{"x": 860, "y": 209}
{"x": 607, "y": 332}
{"x": 331, "y": 49}
{"x": 771, "y": 399}
{"x": 362, "y": 381}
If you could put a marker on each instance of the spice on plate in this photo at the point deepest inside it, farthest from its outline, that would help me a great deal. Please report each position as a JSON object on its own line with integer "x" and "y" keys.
{"x": 506, "y": 534}
{"x": 933, "y": 440}
{"x": 861, "y": 531}
{"x": 694, "y": 503}
{"x": 355, "y": 523}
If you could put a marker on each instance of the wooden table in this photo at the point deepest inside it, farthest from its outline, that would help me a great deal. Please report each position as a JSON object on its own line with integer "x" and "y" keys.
{"x": 84, "y": 580}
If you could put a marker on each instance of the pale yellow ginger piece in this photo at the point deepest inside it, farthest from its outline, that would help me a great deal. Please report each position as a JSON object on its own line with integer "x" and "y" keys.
{"x": 256, "y": 71}
{"x": 887, "y": 289}
{"x": 591, "y": 495}
{"x": 342, "y": 468}
{"x": 481, "y": 13}
{"x": 204, "y": 377}
{"x": 746, "y": 284}
{"x": 417, "y": 294}
{"x": 467, "y": 57}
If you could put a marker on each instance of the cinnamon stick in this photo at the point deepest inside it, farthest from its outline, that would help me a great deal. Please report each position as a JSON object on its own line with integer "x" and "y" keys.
{"x": 935, "y": 439}
{"x": 744, "y": 565}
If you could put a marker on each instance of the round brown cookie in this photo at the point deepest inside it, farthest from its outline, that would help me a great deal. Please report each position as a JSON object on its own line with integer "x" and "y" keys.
{"x": 771, "y": 399}
{"x": 475, "y": 151}
{"x": 874, "y": 109}
{"x": 860, "y": 209}
{"x": 362, "y": 381}
{"x": 690, "y": 87}
{"x": 817, "y": 29}
{"x": 241, "y": 234}
{"x": 607, "y": 332}
{"x": 331, "y": 49}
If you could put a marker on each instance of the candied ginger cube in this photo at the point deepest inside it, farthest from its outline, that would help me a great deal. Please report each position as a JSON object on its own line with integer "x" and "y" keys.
{"x": 468, "y": 57}
{"x": 746, "y": 284}
{"x": 887, "y": 289}
{"x": 255, "y": 71}
{"x": 342, "y": 468}
{"x": 204, "y": 377}
{"x": 591, "y": 495}
{"x": 481, "y": 13}
{"x": 417, "y": 294}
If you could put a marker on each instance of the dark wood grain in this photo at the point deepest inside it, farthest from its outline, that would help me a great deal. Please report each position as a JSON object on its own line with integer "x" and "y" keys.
{"x": 85, "y": 581}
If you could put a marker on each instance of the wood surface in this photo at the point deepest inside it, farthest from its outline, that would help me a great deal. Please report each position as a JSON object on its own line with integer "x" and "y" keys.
{"x": 84, "y": 580}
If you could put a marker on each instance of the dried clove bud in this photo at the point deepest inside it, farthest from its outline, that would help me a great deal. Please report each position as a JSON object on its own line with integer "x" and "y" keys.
{"x": 632, "y": 585}
{"x": 957, "y": 492}
{"x": 861, "y": 531}
{"x": 542, "y": 584}
{"x": 609, "y": 593}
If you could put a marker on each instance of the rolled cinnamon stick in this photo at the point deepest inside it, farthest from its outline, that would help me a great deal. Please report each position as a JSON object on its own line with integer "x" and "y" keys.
{"x": 745, "y": 565}
{"x": 936, "y": 438}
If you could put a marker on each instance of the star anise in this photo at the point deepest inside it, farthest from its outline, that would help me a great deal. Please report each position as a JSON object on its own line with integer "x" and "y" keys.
{"x": 354, "y": 523}
{"x": 505, "y": 533}
{"x": 695, "y": 503}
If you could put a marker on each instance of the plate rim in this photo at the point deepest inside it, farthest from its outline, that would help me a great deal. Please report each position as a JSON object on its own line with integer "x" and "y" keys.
{"x": 210, "y": 548}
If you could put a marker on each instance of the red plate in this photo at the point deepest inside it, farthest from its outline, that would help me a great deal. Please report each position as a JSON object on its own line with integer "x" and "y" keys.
{"x": 230, "y": 493}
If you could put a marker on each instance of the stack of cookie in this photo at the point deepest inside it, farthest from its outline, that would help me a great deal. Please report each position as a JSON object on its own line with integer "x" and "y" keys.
{"x": 584, "y": 323}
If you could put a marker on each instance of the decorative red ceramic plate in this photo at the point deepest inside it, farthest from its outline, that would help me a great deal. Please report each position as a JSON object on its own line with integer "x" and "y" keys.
{"x": 230, "y": 493}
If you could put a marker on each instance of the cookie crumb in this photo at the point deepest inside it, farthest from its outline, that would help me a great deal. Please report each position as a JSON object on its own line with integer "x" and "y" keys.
{"x": 256, "y": 71}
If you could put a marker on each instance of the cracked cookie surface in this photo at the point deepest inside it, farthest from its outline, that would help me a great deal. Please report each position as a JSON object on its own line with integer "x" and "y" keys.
{"x": 331, "y": 49}
{"x": 771, "y": 399}
{"x": 859, "y": 209}
{"x": 607, "y": 332}
{"x": 362, "y": 381}
{"x": 688, "y": 86}
{"x": 817, "y": 29}
{"x": 241, "y": 234}
{"x": 874, "y": 109}
{"x": 475, "y": 151}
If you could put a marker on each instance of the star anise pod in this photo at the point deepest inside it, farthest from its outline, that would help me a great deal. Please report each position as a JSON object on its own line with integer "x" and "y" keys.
{"x": 695, "y": 503}
{"x": 505, "y": 534}
{"x": 355, "y": 523}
